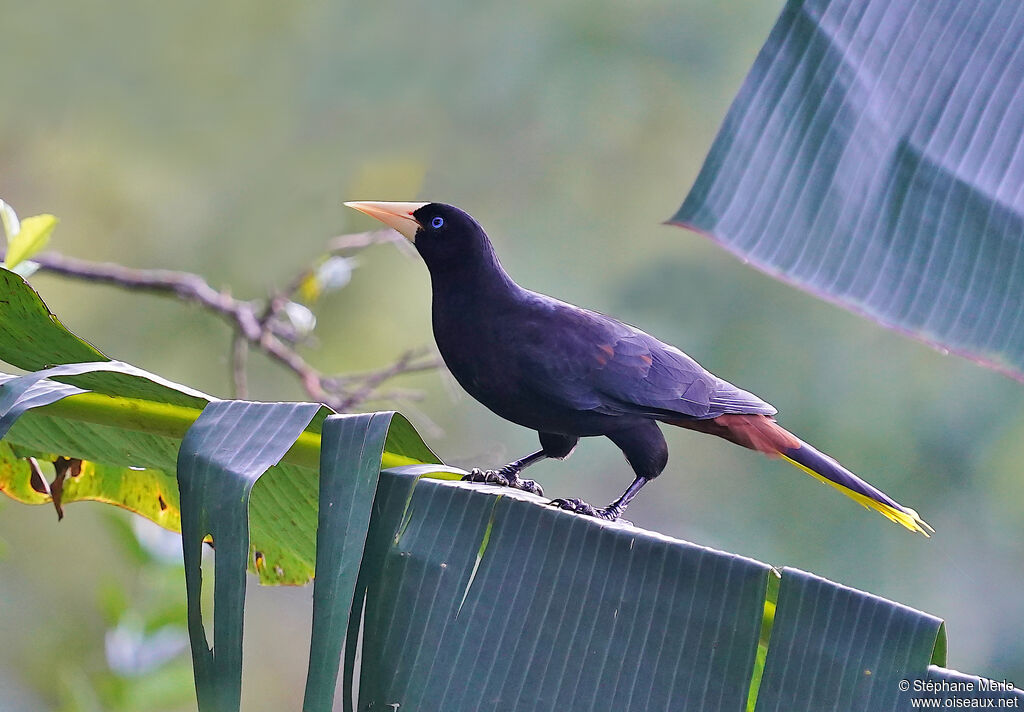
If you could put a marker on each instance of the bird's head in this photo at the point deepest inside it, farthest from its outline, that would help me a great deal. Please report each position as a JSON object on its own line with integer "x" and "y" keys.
{"x": 444, "y": 236}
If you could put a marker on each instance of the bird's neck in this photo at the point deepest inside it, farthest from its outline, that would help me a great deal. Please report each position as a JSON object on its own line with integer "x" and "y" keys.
{"x": 478, "y": 278}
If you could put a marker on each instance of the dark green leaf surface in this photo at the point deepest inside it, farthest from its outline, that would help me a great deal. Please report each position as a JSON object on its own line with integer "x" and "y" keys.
{"x": 350, "y": 460}
{"x": 31, "y": 337}
{"x": 555, "y": 612}
{"x": 873, "y": 156}
{"x": 834, "y": 647}
{"x": 230, "y": 445}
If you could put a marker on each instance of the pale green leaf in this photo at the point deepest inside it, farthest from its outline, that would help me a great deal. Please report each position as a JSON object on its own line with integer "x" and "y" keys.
{"x": 30, "y": 239}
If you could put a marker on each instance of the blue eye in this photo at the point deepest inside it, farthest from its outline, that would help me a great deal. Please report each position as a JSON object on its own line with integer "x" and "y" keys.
{"x": 437, "y": 222}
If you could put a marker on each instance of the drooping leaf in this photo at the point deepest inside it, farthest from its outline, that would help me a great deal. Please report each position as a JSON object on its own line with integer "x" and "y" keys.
{"x": 147, "y": 434}
{"x": 874, "y": 157}
{"x": 226, "y": 450}
{"x": 353, "y": 446}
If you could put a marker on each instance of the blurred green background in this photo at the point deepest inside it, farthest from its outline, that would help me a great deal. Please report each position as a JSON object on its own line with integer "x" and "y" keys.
{"x": 222, "y": 138}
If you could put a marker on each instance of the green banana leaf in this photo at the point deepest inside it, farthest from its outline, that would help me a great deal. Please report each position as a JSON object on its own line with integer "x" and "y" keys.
{"x": 479, "y": 598}
{"x": 873, "y": 157}
{"x": 228, "y": 448}
{"x": 818, "y": 623}
{"x": 473, "y": 597}
{"x": 126, "y": 425}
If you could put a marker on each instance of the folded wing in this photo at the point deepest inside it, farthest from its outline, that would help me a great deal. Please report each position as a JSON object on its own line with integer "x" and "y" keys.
{"x": 604, "y": 365}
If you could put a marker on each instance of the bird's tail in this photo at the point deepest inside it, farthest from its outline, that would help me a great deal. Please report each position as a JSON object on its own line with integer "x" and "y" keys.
{"x": 762, "y": 433}
{"x": 822, "y": 467}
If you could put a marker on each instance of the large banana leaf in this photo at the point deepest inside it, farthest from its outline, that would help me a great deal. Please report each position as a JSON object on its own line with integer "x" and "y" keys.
{"x": 462, "y": 597}
{"x": 132, "y": 463}
{"x": 875, "y": 156}
{"x": 477, "y": 598}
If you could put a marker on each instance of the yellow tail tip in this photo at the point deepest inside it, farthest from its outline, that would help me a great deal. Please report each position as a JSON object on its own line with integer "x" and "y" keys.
{"x": 905, "y": 516}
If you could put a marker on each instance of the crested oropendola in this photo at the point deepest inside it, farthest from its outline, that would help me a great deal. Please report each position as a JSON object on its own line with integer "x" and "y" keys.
{"x": 568, "y": 372}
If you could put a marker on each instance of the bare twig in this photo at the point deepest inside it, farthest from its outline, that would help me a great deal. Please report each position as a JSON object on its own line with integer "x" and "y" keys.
{"x": 256, "y": 324}
{"x": 183, "y": 285}
{"x": 365, "y": 384}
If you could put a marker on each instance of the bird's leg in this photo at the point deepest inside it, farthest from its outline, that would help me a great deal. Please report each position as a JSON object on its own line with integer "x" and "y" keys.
{"x": 610, "y": 513}
{"x": 508, "y": 476}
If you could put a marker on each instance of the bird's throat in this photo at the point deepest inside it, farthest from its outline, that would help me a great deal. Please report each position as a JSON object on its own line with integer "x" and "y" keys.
{"x": 460, "y": 283}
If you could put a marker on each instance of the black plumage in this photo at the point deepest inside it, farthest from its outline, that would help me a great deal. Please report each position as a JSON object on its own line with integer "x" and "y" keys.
{"x": 568, "y": 372}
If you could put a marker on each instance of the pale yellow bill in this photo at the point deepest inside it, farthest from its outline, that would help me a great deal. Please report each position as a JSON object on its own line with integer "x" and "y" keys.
{"x": 398, "y": 216}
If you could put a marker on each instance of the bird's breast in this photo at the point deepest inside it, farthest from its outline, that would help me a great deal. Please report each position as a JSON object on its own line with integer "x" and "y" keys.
{"x": 481, "y": 345}
{"x": 491, "y": 348}
{"x": 477, "y": 351}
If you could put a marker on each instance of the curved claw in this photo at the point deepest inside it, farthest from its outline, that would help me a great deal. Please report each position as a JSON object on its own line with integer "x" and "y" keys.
{"x": 578, "y": 506}
{"x": 491, "y": 477}
{"x": 509, "y": 472}
{"x": 528, "y": 486}
{"x": 504, "y": 477}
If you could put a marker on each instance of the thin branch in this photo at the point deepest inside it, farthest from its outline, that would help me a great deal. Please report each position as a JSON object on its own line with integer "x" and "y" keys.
{"x": 183, "y": 285}
{"x": 365, "y": 384}
{"x": 254, "y": 323}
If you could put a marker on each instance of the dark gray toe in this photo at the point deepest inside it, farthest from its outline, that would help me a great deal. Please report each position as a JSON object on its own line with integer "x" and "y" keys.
{"x": 491, "y": 477}
{"x": 527, "y": 486}
{"x": 578, "y": 506}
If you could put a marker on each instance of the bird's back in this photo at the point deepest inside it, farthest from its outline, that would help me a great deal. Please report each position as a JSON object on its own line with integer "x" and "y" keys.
{"x": 534, "y": 359}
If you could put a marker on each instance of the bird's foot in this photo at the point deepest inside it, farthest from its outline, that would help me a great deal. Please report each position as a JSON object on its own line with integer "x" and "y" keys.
{"x": 611, "y": 513}
{"x": 505, "y": 477}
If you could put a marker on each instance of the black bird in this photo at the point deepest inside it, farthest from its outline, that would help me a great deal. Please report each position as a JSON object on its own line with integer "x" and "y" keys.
{"x": 568, "y": 372}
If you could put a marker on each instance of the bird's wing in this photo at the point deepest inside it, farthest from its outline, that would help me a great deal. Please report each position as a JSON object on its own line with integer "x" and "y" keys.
{"x": 589, "y": 361}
